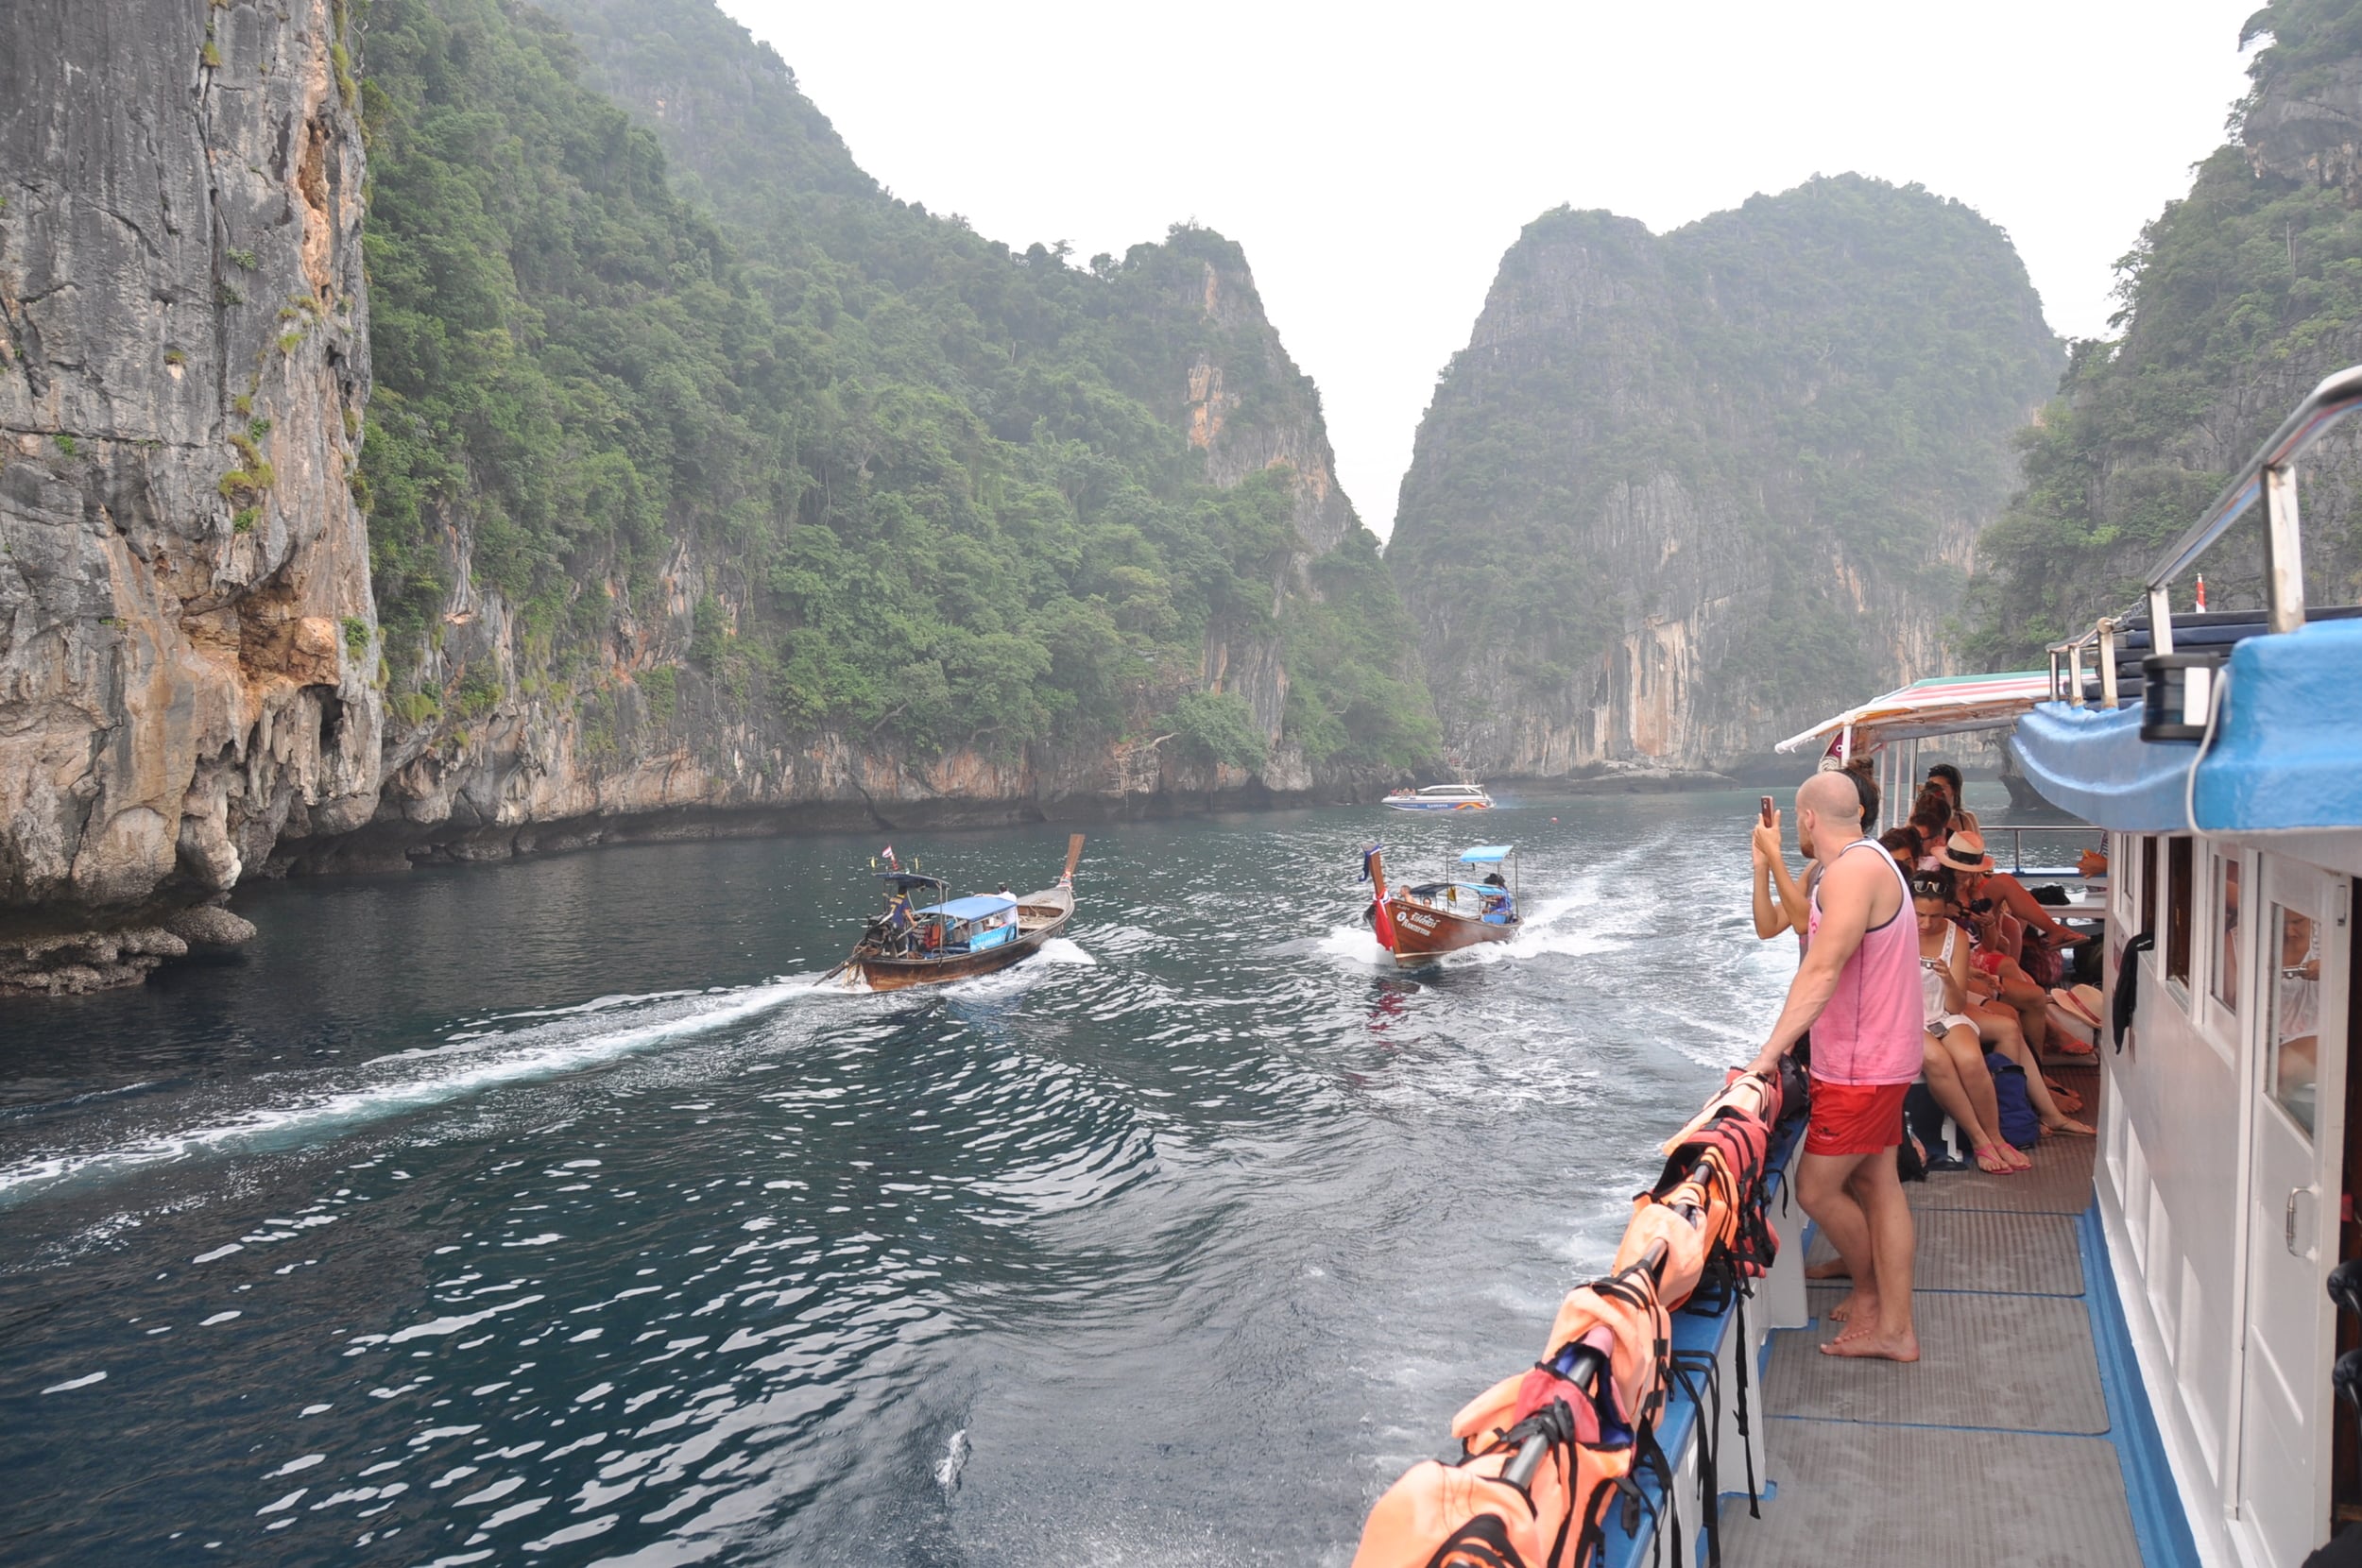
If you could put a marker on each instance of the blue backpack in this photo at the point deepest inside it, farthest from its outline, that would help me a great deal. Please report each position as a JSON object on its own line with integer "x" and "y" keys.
{"x": 2019, "y": 1124}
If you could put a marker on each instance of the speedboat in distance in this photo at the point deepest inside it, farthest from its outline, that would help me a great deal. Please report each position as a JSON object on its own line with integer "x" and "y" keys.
{"x": 1441, "y": 797}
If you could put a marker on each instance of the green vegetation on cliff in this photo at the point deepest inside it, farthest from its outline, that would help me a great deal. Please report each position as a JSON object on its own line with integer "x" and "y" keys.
{"x": 1765, "y": 424}
{"x": 2237, "y": 300}
{"x": 848, "y": 463}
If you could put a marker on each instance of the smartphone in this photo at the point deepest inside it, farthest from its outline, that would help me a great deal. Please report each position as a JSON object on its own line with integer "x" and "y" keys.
{"x": 1767, "y": 810}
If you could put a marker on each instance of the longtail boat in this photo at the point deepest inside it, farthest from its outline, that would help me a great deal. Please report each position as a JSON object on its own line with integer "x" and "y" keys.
{"x": 1420, "y": 924}
{"x": 955, "y": 939}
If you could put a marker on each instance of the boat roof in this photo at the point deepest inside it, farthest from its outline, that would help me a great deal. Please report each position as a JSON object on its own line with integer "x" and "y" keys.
{"x": 2287, "y": 754}
{"x": 1942, "y": 704}
{"x": 974, "y": 907}
{"x": 1452, "y": 790}
{"x": 903, "y": 882}
{"x": 1488, "y": 854}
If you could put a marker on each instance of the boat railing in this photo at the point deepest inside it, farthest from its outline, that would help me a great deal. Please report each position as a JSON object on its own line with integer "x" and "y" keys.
{"x": 2054, "y": 850}
{"x": 2270, "y": 475}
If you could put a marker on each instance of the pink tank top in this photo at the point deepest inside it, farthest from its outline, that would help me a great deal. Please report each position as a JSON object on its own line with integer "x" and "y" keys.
{"x": 1871, "y": 1032}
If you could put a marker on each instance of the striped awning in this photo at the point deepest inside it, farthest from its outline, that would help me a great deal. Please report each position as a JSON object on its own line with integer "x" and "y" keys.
{"x": 1943, "y": 705}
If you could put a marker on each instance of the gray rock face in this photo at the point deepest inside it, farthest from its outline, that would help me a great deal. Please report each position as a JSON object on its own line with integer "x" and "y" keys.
{"x": 187, "y": 641}
{"x": 1683, "y": 494}
{"x": 210, "y": 925}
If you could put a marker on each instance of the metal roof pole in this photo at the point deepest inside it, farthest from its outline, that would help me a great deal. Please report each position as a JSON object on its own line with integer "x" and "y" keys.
{"x": 2284, "y": 553}
{"x": 2074, "y": 673}
{"x": 2108, "y": 663}
{"x": 2159, "y": 619}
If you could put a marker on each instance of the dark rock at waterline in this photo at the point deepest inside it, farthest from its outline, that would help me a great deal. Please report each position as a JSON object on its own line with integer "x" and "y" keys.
{"x": 210, "y": 925}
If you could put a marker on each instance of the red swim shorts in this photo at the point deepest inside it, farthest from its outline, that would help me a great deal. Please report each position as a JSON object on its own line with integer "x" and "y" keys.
{"x": 1854, "y": 1119}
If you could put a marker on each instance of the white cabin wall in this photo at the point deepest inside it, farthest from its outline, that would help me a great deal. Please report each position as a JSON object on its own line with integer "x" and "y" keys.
{"x": 2169, "y": 1180}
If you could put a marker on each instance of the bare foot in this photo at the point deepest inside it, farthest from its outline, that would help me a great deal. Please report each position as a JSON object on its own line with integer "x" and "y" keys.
{"x": 1991, "y": 1161}
{"x": 1855, "y": 1307}
{"x": 1833, "y": 1270}
{"x": 2068, "y": 1125}
{"x": 1872, "y": 1345}
{"x": 2016, "y": 1157}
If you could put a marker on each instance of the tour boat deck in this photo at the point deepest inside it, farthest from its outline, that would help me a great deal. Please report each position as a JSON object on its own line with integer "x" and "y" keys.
{"x": 2021, "y": 1435}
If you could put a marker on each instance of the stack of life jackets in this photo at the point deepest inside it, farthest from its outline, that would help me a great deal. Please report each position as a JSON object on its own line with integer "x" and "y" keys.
{"x": 1546, "y": 1454}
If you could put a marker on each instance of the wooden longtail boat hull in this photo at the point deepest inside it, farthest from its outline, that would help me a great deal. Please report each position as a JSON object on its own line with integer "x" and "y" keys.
{"x": 1039, "y": 918}
{"x": 1423, "y": 932}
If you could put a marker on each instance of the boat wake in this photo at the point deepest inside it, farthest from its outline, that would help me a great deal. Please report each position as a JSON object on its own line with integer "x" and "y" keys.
{"x": 552, "y": 1043}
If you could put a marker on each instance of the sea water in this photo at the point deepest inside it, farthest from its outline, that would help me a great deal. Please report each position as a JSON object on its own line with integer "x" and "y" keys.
{"x": 552, "y": 1213}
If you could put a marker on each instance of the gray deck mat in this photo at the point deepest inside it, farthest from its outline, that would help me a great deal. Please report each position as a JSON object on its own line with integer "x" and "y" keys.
{"x": 2061, "y": 1183}
{"x": 1882, "y": 1495}
{"x": 1984, "y": 1250}
{"x": 2020, "y": 1363}
{"x": 1869, "y": 1463}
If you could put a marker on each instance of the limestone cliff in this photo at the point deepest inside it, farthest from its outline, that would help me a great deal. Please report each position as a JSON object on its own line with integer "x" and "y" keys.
{"x": 1682, "y": 493}
{"x": 673, "y": 696}
{"x": 2239, "y": 298}
{"x": 187, "y": 638}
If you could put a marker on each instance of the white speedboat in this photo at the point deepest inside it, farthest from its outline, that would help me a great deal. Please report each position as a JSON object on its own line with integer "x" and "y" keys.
{"x": 1441, "y": 797}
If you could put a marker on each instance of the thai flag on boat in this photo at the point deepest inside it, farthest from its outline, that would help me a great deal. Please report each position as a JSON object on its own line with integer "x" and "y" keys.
{"x": 892, "y": 864}
{"x": 1372, "y": 874}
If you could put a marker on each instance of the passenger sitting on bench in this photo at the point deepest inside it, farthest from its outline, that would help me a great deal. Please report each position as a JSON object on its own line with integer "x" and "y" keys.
{"x": 1956, "y": 1070}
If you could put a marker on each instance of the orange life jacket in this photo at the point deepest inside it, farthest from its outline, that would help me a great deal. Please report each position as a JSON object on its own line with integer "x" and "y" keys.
{"x": 1468, "y": 1515}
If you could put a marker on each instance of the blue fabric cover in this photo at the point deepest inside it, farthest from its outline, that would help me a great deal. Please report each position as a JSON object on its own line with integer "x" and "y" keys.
{"x": 974, "y": 907}
{"x": 1487, "y": 854}
{"x": 2287, "y": 751}
{"x": 992, "y": 938}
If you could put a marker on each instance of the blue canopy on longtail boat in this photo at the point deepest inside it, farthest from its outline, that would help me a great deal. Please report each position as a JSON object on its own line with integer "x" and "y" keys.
{"x": 1488, "y": 854}
{"x": 2287, "y": 754}
{"x": 974, "y": 907}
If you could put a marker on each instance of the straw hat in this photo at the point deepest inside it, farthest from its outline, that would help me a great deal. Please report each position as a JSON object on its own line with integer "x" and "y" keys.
{"x": 1965, "y": 852}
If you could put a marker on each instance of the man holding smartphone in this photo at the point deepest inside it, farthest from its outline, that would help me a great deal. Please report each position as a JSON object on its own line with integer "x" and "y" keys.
{"x": 1858, "y": 990}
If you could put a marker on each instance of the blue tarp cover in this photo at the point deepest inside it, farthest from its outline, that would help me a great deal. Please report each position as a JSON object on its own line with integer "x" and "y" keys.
{"x": 2288, "y": 749}
{"x": 1488, "y": 854}
{"x": 974, "y": 907}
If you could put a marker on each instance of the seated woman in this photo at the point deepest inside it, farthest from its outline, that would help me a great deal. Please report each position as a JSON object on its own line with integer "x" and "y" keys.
{"x": 1932, "y": 819}
{"x": 1954, "y": 1062}
{"x": 1947, "y": 775}
{"x": 1995, "y": 1023}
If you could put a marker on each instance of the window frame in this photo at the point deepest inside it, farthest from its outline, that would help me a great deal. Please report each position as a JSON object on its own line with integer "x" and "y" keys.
{"x": 2179, "y": 901}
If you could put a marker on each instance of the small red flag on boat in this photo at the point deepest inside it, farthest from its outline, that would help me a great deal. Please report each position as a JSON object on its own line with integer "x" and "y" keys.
{"x": 1373, "y": 873}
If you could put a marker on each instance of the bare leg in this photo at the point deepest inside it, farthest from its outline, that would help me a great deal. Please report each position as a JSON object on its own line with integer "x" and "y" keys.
{"x": 2030, "y": 1002}
{"x": 1822, "y": 1186}
{"x": 1885, "y": 1334}
{"x": 1943, "y": 1082}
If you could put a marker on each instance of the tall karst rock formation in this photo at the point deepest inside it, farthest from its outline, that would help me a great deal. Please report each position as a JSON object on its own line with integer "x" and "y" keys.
{"x": 186, "y": 634}
{"x": 1682, "y": 492}
{"x": 2238, "y": 298}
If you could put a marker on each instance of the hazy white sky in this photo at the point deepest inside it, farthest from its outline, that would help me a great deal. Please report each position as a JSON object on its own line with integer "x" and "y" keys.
{"x": 1376, "y": 161}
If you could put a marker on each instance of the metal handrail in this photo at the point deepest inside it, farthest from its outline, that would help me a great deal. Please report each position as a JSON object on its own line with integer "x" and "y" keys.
{"x": 2270, "y": 475}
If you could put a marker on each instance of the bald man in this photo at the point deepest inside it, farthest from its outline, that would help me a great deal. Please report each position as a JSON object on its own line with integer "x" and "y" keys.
{"x": 1858, "y": 990}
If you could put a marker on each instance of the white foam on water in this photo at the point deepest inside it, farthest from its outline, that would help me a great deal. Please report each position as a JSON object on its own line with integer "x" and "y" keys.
{"x": 76, "y": 1383}
{"x": 948, "y": 1470}
{"x": 489, "y": 1061}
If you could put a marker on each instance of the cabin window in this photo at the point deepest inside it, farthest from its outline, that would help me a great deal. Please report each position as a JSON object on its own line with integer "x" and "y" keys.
{"x": 2225, "y": 983}
{"x": 2150, "y": 905}
{"x": 2178, "y": 861}
{"x": 2293, "y": 945}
